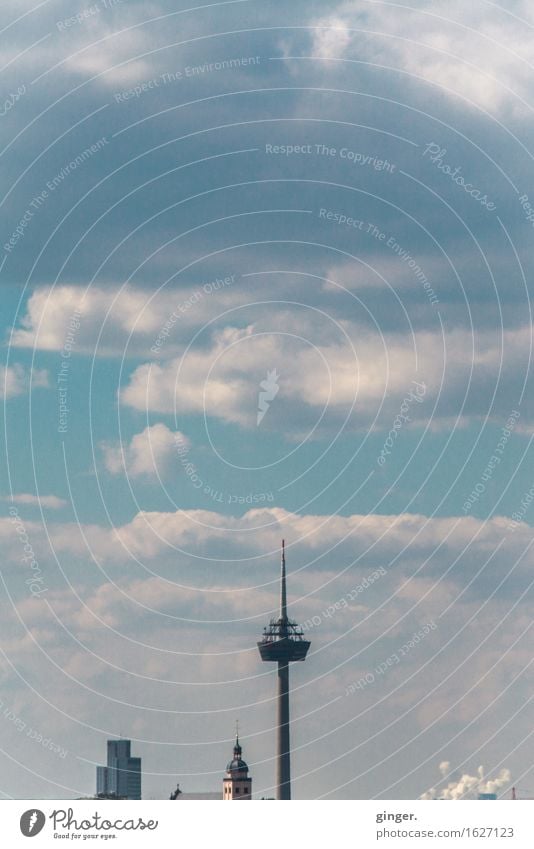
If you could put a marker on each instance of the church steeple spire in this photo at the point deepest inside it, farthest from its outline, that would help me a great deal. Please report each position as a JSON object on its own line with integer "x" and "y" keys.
{"x": 237, "y": 747}
{"x": 237, "y": 784}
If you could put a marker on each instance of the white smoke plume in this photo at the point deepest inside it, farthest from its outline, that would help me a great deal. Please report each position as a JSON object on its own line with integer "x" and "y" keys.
{"x": 467, "y": 786}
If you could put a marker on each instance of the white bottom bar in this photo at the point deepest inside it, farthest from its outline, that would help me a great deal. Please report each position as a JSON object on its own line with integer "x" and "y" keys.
{"x": 358, "y": 824}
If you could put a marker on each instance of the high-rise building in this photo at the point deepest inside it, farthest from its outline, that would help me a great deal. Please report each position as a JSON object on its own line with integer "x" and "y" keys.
{"x": 237, "y": 784}
{"x": 121, "y": 778}
{"x": 282, "y": 643}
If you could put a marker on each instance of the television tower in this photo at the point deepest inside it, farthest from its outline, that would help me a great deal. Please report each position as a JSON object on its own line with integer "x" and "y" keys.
{"x": 282, "y": 642}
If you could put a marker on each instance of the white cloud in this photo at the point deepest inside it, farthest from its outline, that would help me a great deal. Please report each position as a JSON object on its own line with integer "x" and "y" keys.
{"x": 49, "y": 316}
{"x": 122, "y": 316}
{"x": 150, "y": 452}
{"x": 328, "y": 554}
{"x": 369, "y": 370}
{"x": 96, "y": 40}
{"x": 476, "y": 50}
{"x": 233, "y": 600}
{"x": 257, "y": 532}
{"x": 332, "y": 38}
{"x": 223, "y": 380}
{"x": 112, "y": 54}
{"x": 335, "y": 363}
{"x": 52, "y": 502}
{"x": 186, "y": 385}
{"x": 16, "y": 380}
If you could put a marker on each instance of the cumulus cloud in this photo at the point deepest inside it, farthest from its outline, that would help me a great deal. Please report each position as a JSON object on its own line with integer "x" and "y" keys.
{"x": 223, "y": 380}
{"x": 332, "y": 37}
{"x": 116, "y": 56}
{"x": 52, "y": 502}
{"x": 478, "y": 52}
{"x": 364, "y": 370}
{"x": 49, "y": 314}
{"x": 101, "y": 40}
{"x": 407, "y": 536}
{"x": 218, "y": 646}
{"x": 443, "y": 568}
{"x": 121, "y": 316}
{"x": 148, "y": 453}
{"x": 16, "y": 380}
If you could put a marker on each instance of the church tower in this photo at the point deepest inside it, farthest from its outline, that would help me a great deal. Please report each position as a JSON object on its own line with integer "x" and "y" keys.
{"x": 237, "y": 783}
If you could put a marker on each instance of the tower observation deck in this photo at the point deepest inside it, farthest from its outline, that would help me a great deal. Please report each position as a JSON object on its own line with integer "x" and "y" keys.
{"x": 283, "y": 642}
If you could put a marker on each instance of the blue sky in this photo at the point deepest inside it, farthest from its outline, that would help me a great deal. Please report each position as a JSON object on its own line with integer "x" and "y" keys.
{"x": 326, "y": 207}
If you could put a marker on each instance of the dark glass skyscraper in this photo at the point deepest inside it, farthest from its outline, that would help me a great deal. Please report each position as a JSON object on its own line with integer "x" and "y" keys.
{"x": 121, "y": 778}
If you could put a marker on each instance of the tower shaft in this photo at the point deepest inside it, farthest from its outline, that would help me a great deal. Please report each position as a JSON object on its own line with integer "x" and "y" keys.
{"x": 283, "y": 762}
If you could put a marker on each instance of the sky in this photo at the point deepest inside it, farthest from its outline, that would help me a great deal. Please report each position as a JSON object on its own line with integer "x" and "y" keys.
{"x": 266, "y": 273}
